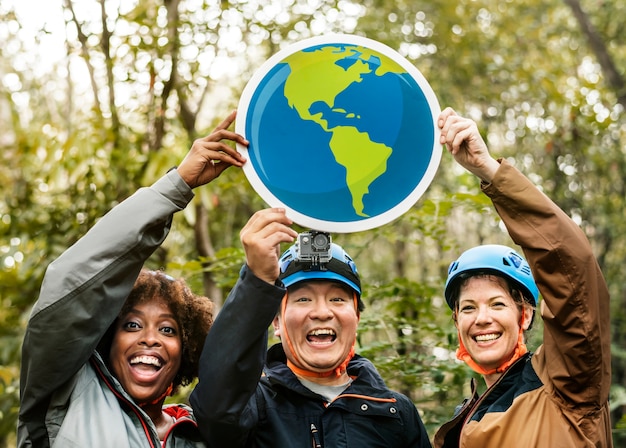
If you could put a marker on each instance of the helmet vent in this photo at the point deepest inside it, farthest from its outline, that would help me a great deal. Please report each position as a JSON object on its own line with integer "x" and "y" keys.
{"x": 285, "y": 261}
{"x": 515, "y": 260}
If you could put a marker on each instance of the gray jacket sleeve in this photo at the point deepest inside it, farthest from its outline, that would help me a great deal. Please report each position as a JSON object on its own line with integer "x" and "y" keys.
{"x": 84, "y": 289}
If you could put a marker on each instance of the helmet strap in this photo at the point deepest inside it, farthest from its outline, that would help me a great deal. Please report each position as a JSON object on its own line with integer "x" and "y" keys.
{"x": 520, "y": 350}
{"x": 336, "y": 372}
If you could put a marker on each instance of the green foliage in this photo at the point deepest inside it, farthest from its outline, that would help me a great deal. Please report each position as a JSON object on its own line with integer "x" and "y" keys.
{"x": 408, "y": 333}
{"x": 81, "y": 134}
{"x": 224, "y": 266}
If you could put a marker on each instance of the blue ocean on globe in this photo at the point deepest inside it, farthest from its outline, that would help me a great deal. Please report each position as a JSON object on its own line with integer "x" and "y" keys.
{"x": 293, "y": 151}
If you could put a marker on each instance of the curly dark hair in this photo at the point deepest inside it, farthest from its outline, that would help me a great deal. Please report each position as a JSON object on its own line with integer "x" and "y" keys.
{"x": 193, "y": 313}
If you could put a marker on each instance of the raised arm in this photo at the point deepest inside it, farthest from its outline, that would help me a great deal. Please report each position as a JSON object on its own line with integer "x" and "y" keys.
{"x": 84, "y": 289}
{"x": 575, "y": 308}
{"x": 234, "y": 352}
{"x": 575, "y": 355}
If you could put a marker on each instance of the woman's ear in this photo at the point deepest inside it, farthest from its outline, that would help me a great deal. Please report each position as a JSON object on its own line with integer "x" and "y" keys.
{"x": 528, "y": 311}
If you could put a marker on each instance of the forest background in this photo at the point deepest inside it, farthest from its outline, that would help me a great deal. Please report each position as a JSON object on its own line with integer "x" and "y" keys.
{"x": 99, "y": 98}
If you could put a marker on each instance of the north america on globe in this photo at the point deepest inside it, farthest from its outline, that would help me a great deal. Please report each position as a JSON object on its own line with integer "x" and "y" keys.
{"x": 352, "y": 148}
{"x": 339, "y": 132}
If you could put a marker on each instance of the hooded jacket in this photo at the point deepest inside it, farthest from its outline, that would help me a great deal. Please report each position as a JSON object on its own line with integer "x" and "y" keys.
{"x": 249, "y": 398}
{"x": 68, "y": 397}
{"x": 558, "y": 396}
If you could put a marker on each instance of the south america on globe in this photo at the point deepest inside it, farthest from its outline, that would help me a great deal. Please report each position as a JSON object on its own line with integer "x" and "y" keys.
{"x": 341, "y": 133}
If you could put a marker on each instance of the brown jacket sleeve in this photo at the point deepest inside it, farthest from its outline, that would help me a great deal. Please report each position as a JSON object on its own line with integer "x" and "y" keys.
{"x": 574, "y": 360}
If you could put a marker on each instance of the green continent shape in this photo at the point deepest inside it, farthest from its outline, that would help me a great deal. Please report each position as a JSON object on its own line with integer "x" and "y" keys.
{"x": 363, "y": 159}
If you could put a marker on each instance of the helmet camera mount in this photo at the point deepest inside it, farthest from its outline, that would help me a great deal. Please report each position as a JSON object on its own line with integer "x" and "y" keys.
{"x": 314, "y": 249}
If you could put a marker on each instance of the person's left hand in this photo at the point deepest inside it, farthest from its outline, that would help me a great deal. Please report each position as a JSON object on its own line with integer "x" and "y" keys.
{"x": 210, "y": 156}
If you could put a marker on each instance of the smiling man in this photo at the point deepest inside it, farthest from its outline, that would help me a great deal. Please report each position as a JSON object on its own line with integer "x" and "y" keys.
{"x": 311, "y": 389}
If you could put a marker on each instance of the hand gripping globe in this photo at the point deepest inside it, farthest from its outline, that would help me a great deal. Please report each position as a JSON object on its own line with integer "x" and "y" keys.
{"x": 342, "y": 133}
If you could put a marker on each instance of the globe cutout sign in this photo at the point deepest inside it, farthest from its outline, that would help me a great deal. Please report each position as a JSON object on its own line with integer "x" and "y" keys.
{"x": 342, "y": 133}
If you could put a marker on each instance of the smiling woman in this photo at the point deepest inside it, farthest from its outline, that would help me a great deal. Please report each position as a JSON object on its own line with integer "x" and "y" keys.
{"x": 155, "y": 342}
{"x": 558, "y": 395}
{"x": 162, "y": 311}
{"x": 153, "y": 345}
{"x": 490, "y": 312}
{"x": 107, "y": 340}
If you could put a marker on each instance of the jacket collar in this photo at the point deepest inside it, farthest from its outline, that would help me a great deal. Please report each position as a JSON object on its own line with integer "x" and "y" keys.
{"x": 366, "y": 379}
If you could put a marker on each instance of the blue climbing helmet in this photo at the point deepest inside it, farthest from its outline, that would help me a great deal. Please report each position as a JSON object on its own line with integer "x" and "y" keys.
{"x": 492, "y": 259}
{"x": 336, "y": 266}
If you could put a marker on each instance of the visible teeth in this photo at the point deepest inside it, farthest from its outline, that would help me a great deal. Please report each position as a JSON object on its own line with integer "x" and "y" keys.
{"x": 322, "y": 332}
{"x": 151, "y": 360}
{"x": 487, "y": 337}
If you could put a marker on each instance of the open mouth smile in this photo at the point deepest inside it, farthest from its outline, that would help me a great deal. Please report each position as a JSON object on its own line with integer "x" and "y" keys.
{"x": 321, "y": 336}
{"x": 487, "y": 337}
{"x": 145, "y": 367}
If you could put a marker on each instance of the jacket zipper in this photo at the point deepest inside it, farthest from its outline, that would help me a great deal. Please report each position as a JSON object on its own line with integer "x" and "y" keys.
{"x": 315, "y": 437}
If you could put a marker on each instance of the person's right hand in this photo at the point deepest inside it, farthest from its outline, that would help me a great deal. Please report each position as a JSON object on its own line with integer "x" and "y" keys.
{"x": 261, "y": 238}
{"x": 210, "y": 156}
{"x": 464, "y": 142}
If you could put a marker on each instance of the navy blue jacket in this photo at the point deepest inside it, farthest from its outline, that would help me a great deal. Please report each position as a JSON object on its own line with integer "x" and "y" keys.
{"x": 249, "y": 398}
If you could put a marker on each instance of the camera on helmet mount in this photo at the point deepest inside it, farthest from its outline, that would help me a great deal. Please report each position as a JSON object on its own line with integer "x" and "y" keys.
{"x": 315, "y": 248}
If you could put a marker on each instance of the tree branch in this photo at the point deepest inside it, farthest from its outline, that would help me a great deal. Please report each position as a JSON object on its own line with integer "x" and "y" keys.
{"x": 105, "y": 43}
{"x": 612, "y": 75}
{"x": 205, "y": 248}
{"x": 84, "y": 49}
